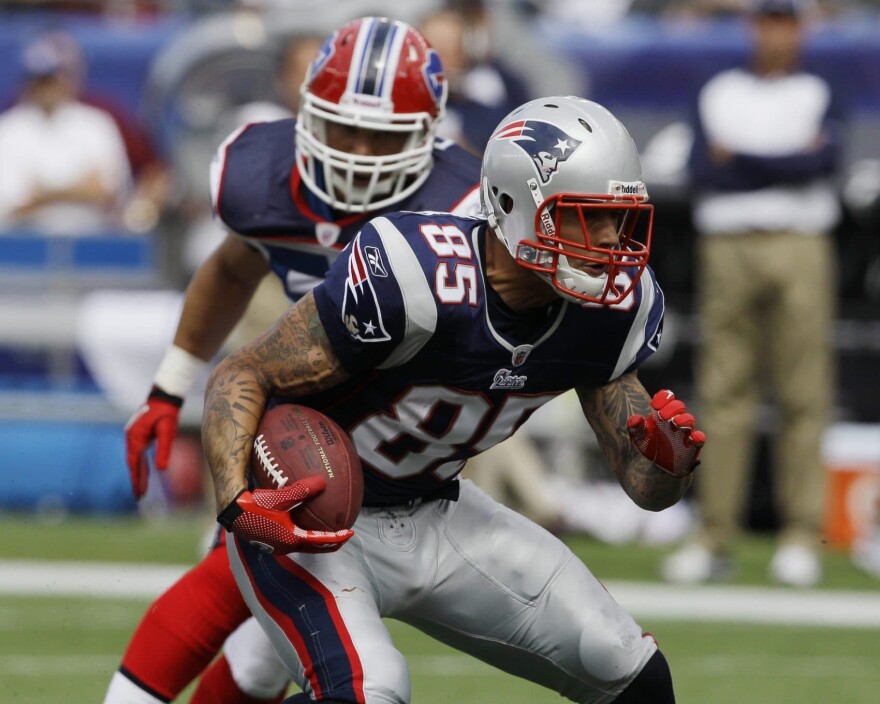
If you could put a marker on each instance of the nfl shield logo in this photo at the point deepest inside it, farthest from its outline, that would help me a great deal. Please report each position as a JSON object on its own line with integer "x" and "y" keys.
{"x": 327, "y": 233}
{"x": 520, "y": 355}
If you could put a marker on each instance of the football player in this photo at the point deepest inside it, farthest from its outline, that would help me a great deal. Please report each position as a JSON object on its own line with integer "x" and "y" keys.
{"x": 433, "y": 338}
{"x": 292, "y": 194}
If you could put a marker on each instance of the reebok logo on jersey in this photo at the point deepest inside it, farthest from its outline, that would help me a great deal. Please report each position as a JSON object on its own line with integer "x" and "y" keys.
{"x": 505, "y": 379}
{"x": 374, "y": 260}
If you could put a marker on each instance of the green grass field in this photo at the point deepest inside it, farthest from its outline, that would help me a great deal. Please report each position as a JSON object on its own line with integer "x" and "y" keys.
{"x": 64, "y": 649}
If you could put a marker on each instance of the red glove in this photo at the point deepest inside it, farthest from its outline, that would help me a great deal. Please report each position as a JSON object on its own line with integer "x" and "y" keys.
{"x": 156, "y": 420}
{"x": 262, "y": 517}
{"x": 667, "y": 436}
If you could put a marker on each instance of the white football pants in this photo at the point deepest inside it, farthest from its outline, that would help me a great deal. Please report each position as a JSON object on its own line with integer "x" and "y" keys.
{"x": 471, "y": 573}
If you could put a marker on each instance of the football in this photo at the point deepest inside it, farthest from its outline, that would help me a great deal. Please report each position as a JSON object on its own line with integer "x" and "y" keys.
{"x": 294, "y": 442}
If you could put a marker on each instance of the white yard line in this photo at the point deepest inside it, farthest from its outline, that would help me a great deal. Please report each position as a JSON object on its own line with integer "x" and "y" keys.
{"x": 86, "y": 579}
{"x": 848, "y": 609}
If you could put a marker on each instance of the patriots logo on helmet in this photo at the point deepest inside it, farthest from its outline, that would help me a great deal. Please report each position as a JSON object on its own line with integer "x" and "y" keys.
{"x": 434, "y": 77}
{"x": 547, "y": 144}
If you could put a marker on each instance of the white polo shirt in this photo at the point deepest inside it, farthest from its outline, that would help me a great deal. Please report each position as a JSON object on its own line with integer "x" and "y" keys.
{"x": 56, "y": 151}
{"x": 771, "y": 116}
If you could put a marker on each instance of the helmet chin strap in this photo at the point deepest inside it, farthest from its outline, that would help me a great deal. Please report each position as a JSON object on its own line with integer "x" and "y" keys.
{"x": 491, "y": 218}
{"x": 538, "y": 197}
{"x": 580, "y": 282}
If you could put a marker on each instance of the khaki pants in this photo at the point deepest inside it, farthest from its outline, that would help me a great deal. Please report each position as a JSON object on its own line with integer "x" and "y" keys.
{"x": 766, "y": 302}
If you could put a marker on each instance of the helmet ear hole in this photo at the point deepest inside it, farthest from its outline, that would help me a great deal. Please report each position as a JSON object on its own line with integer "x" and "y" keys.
{"x": 506, "y": 203}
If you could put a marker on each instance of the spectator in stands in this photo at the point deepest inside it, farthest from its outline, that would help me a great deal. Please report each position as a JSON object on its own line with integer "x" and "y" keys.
{"x": 587, "y": 15}
{"x": 296, "y": 54}
{"x": 767, "y": 141}
{"x": 481, "y": 89}
{"x": 63, "y": 165}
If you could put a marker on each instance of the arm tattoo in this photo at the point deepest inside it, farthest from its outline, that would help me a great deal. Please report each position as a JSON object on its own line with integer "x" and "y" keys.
{"x": 293, "y": 359}
{"x": 607, "y": 408}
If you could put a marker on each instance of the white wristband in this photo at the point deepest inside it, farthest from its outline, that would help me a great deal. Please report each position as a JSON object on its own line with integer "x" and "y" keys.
{"x": 178, "y": 371}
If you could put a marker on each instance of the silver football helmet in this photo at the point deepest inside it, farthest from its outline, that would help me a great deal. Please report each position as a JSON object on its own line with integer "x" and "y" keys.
{"x": 566, "y": 153}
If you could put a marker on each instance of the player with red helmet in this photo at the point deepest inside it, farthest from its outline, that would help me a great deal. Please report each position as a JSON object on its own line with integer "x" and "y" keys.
{"x": 292, "y": 194}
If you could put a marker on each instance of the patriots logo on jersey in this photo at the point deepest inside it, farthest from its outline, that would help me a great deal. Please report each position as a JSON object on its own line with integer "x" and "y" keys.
{"x": 506, "y": 379}
{"x": 544, "y": 142}
{"x": 361, "y": 312}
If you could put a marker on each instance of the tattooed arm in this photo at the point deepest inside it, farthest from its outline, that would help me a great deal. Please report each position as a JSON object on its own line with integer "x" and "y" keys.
{"x": 607, "y": 409}
{"x": 292, "y": 359}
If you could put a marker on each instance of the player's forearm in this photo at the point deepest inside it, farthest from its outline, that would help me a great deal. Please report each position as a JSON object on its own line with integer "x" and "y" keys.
{"x": 213, "y": 305}
{"x": 234, "y": 402}
{"x": 90, "y": 189}
{"x": 293, "y": 360}
{"x": 607, "y": 409}
{"x": 649, "y": 486}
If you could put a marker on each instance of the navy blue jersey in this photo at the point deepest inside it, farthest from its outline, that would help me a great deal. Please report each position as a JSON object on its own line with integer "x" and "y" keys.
{"x": 258, "y": 194}
{"x": 442, "y": 369}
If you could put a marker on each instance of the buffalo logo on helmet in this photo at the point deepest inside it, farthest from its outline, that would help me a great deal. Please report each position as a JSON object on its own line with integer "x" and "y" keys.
{"x": 324, "y": 54}
{"x": 434, "y": 77}
{"x": 544, "y": 142}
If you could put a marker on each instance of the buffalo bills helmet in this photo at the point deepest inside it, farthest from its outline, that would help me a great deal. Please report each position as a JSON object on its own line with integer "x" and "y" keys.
{"x": 372, "y": 74}
{"x": 566, "y": 153}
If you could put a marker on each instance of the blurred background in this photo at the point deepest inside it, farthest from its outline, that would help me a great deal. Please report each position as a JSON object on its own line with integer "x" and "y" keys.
{"x": 89, "y": 298}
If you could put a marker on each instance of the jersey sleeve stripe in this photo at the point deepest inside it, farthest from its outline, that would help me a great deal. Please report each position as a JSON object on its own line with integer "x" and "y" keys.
{"x": 218, "y": 168}
{"x": 418, "y": 299}
{"x": 469, "y": 203}
{"x": 636, "y": 337}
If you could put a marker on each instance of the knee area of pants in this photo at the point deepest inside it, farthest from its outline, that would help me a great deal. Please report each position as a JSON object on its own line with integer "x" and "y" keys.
{"x": 386, "y": 676}
{"x": 612, "y": 656}
{"x": 262, "y": 678}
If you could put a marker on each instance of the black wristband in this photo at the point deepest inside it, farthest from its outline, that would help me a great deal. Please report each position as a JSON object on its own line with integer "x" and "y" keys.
{"x": 231, "y": 512}
{"x": 156, "y": 392}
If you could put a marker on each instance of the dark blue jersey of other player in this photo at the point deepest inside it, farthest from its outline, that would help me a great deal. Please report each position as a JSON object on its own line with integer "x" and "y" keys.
{"x": 442, "y": 368}
{"x": 257, "y": 193}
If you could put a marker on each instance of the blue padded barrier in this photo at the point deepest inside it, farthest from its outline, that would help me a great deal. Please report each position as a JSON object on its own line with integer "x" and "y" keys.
{"x": 21, "y": 249}
{"x": 64, "y": 466}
